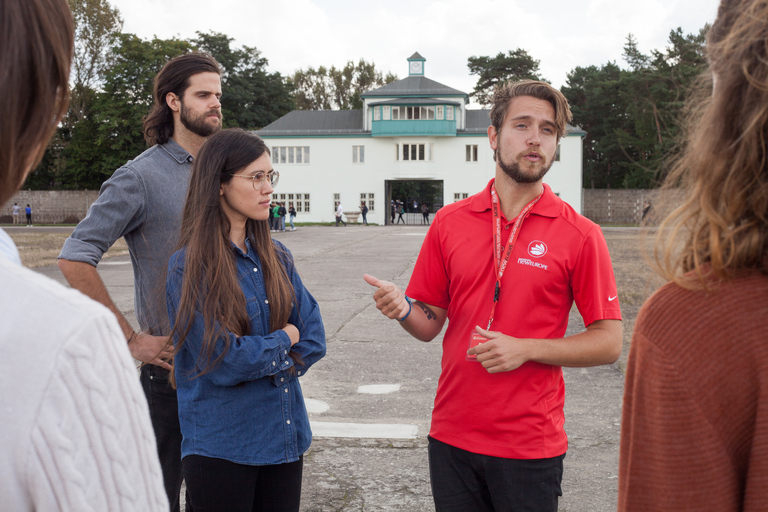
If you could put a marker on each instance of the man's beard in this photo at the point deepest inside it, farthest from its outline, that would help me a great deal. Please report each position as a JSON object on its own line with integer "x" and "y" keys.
{"x": 514, "y": 171}
{"x": 199, "y": 125}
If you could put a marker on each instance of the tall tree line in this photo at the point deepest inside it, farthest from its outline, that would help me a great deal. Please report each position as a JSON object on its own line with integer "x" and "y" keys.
{"x": 632, "y": 114}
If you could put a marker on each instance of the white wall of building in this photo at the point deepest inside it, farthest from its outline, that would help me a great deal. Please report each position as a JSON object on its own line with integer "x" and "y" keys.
{"x": 332, "y": 171}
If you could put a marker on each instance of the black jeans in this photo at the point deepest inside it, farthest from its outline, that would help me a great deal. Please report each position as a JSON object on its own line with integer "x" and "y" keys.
{"x": 164, "y": 411}
{"x": 463, "y": 481}
{"x": 220, "y": 485}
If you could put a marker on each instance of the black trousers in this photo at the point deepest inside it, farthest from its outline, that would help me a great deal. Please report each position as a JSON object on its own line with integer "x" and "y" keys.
{"x": 164, "y": 412}
{"x": 463, "y": 481}
{"x": 218, "y": 485}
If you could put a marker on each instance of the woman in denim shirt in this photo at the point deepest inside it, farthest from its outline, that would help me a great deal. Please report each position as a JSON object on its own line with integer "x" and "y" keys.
{"x": 244, "y": 330}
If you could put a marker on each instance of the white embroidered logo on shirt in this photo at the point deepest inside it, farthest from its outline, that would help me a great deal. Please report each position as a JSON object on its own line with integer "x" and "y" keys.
{"x": 537, "y": 248}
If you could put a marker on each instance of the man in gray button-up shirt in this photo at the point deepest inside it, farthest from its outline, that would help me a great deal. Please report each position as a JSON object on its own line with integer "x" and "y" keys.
{"x": 143, "y": 202}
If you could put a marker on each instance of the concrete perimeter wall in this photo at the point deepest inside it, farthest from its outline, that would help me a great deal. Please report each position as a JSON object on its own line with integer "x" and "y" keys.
{"x": 603, "y": 206}
{"x": 50, "y": 206}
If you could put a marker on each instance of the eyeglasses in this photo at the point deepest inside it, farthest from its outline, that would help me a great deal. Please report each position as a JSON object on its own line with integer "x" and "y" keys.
{"x": 260, "y": 178}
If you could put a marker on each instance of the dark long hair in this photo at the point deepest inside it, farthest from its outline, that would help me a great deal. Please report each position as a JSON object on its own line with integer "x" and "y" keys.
{"x": 722, "y": 226}
{"x": 174, "y": 77}
{"x": 36, "y": 44}
{"x": 210, "y": 284}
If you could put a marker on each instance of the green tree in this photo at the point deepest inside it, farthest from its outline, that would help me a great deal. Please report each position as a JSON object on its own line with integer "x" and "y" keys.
{"x": 632, "y": 116}
{"x": 492, "y": 71}
{"x": 333, "y": 88}
{"x": 251, "y": 97}
{"x": 113, "y": 133}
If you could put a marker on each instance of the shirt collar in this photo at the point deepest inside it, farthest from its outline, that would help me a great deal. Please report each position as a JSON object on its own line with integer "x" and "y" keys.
{"x": 176, "y": 152}
{"x": 548, "y": 206}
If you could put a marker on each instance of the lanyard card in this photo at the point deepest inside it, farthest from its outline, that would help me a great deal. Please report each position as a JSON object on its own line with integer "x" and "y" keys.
{"x": 474, "y": 340}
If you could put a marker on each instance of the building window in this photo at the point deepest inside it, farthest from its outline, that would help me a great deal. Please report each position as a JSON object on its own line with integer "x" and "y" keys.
{"x": 386, "y": 112}
{"x": 368, "y": 199}
{"x": 439, "y": 112}
{"x": 459, "y": 196}
{"x": 415, "y": 113}
{"x": 376, "y": 114}
{"x": 290, "y": 154}
{"x": 418, "y": 152}
{"x": 336, "y": 200}
{"x": 471, "y": 152}
{"x": 358, "y": 154}
{"x": 395, "y": 113}
{"x": 449, "y": 113}
{"x": 296, "y": 199}
{"x": 557, "y": 153}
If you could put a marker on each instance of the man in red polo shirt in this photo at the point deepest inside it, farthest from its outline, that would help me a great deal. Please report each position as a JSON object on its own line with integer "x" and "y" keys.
{"x": 505, "y": 266}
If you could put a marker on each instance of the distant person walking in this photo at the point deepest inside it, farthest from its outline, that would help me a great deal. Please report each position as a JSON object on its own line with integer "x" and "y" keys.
{"x": 28, "y": 211}
{"x": 645, "y": 220}
{"x": 292, "y": 213}
{"x": 274, "y": 218}
{"x": 425, "y": 214}
{"x": 16, "y": 209}
{"x": 400, "y": 212}
{"x": 364, "y": 212}
{"x": 392, "y": 211}
{"x": 339, "y": 213}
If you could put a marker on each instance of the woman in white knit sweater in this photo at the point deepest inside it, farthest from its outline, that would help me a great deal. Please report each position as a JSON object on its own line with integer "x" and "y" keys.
{"x": 74, "y": 427}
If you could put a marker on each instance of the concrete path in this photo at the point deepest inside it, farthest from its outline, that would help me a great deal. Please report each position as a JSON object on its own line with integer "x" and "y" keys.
{"x": 372, "y": 395}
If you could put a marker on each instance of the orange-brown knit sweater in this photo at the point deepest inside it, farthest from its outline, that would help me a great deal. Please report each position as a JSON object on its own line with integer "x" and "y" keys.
{"x": 694, "y": 432}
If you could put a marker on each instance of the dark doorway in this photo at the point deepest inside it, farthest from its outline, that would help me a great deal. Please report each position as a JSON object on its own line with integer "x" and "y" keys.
{"x": 405, "y": 192}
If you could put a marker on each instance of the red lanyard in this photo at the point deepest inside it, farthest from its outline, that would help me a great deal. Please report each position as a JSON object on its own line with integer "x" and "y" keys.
{"x": 501, "y": 263}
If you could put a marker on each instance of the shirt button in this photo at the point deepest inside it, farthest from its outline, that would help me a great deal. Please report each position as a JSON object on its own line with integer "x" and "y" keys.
{"x": 286, "y": 362}
{"x": 299, "y": 373}
{"x": 266, "y": 302}
{"x": 282, "y": 379}
{"x": 274, "y": 363}
{"x": 286, "y": 351}
{"x": 286, "y": 390}
{"x": 255, "y": 269}
{"x": 288, "y": 422}
{"x": 506, "y": 227}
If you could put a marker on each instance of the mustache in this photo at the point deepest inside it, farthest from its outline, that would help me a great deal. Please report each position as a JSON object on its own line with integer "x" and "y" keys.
{"x": 215, "y": 112}
{"x": 541, "y": 155}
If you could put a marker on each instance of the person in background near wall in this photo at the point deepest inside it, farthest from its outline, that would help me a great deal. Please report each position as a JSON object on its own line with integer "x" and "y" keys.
{"x": 292, "y": 213}
{"x": 15, "y": 210}
{"x": 425, "y": 214}
{"x": 28, "y": 211}
{"x": 143, "y": 201}
{"x": 644, "y": 221}
{"x": 497, "y": 439}
{"x": 75, "y": 432}
{"x": 275, "y": 216}
{"x": 400, "y": 212}
{"x": 238, "y": 361}
{"x": 694, "y": 430}
{"x": 339, "y": 213}
{"x": 392, "y": 210}
{"x": 282, "y": 211}
{"x": 364, "y": 212}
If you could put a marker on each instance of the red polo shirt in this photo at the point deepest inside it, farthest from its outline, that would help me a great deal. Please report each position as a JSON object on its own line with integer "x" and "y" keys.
{"x": 559, "y": 257}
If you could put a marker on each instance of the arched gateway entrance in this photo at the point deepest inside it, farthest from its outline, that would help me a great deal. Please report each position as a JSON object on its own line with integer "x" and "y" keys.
{"x": 405, "y": 192}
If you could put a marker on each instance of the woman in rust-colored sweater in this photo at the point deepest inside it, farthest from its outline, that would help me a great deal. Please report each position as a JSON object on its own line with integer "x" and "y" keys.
{"x": 695, "y": 419}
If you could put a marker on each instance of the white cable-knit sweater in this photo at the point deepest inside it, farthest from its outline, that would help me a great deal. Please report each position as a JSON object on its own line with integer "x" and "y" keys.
{"x": 75, "y": 432}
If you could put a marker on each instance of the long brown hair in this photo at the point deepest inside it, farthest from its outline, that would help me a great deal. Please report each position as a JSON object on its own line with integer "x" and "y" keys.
{"x": 36, "y": 45}
{"x": 722, "y": 226}
{"x": 210, "y": 284}
{"x": 174, "y": 77}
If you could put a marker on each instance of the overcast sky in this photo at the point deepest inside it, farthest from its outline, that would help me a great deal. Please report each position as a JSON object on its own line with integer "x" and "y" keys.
{"x": 301, "y": 33}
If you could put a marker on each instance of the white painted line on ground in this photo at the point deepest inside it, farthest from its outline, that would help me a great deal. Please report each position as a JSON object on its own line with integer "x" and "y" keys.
{"x": 316, "y": 406}
{"x": 364, "y": 430}
{"x": 378, "y": 389}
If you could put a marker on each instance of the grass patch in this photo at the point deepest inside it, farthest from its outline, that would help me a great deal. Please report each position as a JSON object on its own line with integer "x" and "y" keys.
{"x": 42, "y": 249}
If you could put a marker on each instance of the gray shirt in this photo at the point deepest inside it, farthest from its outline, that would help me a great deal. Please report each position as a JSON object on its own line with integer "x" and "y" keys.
{"x": 143, "y": 201}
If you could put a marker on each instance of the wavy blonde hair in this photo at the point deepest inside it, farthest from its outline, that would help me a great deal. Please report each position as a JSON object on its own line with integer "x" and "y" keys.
{"x": 722, "y": 226}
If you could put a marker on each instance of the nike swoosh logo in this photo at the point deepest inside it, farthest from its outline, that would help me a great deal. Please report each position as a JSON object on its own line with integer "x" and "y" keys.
{"x": 611, "y": 298}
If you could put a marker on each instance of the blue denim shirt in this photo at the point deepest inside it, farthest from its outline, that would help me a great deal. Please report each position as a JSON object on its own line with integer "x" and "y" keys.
{"x": 250, "y": 409}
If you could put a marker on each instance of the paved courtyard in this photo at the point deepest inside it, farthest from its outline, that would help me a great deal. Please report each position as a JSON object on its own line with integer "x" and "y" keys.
{"x": 370, "y": 398}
